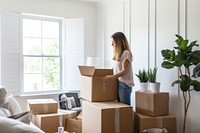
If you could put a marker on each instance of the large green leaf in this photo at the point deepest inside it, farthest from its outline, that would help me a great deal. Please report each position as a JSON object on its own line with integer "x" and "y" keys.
{"x": 179, "y": 59}
{"x": 196, "y": 53}
{"x": 187, "y": 63}
{"x": 167, "y": 65}
{"x": 195, "y": 57}
{"x": 176, "y": 82}
{"x": 185, "y": 82}
{"x": 172, "y": 55}
{"x": 179, "y": 40}
{"x": 166, "y": 54}
{"x": 196, "y": 85}
{"x": 196, "y": 71}
{"x": 184, "y": 45}
{"x": 192, "y": 44}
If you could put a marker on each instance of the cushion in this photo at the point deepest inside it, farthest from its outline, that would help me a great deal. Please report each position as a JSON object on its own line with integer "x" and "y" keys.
{"x": 71, "y": 102}
{"x": 24, "y": 117}
{"x": 5, "y": 112}
{"x": 13, "y": 105}
{"x": 8, "y": 125}
{"x": 2, "y": 95}
{"x": 5, "y": 105}
{"x": 63, "y": 97}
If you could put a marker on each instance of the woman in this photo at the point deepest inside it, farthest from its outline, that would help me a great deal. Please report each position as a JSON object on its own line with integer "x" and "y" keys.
{"x": 122, "y": 67}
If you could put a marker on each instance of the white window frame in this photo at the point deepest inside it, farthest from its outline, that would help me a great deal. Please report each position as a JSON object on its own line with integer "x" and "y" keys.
{"x": 45, "y": 18}
{"x": 65, "y": 84}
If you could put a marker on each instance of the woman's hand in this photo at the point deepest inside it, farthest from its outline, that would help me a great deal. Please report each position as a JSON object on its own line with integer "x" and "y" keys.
{"x": 108, "y": 77}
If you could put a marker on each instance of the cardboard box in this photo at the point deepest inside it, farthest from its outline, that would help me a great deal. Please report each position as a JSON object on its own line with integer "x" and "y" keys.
{"x": 70, "y": 113}
{"x": 93, "y": 86}
{"x": 152, "y": 104}
{"x": 74, "y": 125}
{"x": 107, "y": 117}
{"x": 42, "y": 106}
{"x": 49, "y": 123}
{"x": 145, "y": 122}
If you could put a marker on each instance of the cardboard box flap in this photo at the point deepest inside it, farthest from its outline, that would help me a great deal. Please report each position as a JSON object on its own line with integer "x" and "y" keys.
{"x": 103, "y": 72}
{"x": 91, "y": 71}
{"x": 87, "y": 70}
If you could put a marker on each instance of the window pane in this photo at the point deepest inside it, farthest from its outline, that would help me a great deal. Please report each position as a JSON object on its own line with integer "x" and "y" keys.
{"x": 31, "y": 46}
{"x": 31, "y": 28}
{"x": 51, "y": 81}
{"x": 50, "y": 29}
{"x": 51, "y": 64}
{"x": 32, "y": 82}
{"x": 51, "y": 73}
{"x": 32, "y": 65}
{"x": 50, "y": 47}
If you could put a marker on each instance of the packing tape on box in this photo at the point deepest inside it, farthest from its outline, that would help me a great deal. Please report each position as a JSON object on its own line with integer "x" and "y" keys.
{"x": 60, "y": 120}
{"x": 46, "y": 108}
{"x": 104, "y": 86}
{"x": 117, "y": 120}
{"x": 159, "y": 122}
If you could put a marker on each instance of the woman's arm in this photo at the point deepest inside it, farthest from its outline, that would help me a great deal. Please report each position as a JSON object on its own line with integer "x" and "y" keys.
{"x": 125, "y": 66}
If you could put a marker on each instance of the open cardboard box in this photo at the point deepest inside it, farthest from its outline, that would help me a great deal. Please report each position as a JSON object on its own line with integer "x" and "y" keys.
{"x": 93, "y": 86}
{"x": 144, "y": 122}
{"x": 74, "y": 124}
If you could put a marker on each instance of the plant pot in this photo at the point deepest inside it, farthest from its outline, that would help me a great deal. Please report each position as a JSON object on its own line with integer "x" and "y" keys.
{"x": 155, "y": 87}
{"x": 143, "y": 86}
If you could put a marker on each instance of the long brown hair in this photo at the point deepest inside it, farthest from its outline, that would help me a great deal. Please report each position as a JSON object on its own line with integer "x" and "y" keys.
{"x": 121, "y": 45}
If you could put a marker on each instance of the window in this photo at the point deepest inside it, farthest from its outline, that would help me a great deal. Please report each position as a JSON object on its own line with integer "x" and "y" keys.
{"x": 52, "y": 51}
{"x": 41, "y": 54}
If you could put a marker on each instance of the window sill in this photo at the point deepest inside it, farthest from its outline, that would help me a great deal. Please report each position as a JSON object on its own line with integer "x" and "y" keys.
{"x": 46, "y": 94}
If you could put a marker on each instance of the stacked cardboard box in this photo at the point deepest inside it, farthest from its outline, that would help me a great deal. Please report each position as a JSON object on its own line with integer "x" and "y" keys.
{"x": 152, "y": 111}
{"x": 46, "y": 116}
{"x": 100, "y": 111}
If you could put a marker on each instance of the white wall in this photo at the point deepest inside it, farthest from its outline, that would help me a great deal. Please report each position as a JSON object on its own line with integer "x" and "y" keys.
{"x": 112, "y": 15}
{"x": 154, "y": 24}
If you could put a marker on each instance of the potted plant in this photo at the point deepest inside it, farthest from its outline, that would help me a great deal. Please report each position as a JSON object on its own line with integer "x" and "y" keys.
{"x": 142, "y": 76}
{"x": 187, "y": 60}
{"x": 154, "y": 86}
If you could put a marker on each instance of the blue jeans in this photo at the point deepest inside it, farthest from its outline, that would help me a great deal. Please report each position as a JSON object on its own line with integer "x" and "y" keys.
{"x": 124, "y": 93}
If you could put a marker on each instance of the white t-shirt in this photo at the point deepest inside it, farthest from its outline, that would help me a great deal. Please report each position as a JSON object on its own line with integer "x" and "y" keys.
{"x": 127, "y": 78}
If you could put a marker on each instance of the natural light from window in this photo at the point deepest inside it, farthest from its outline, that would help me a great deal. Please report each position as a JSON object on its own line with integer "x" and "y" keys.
{"x": 41, "y": 55}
